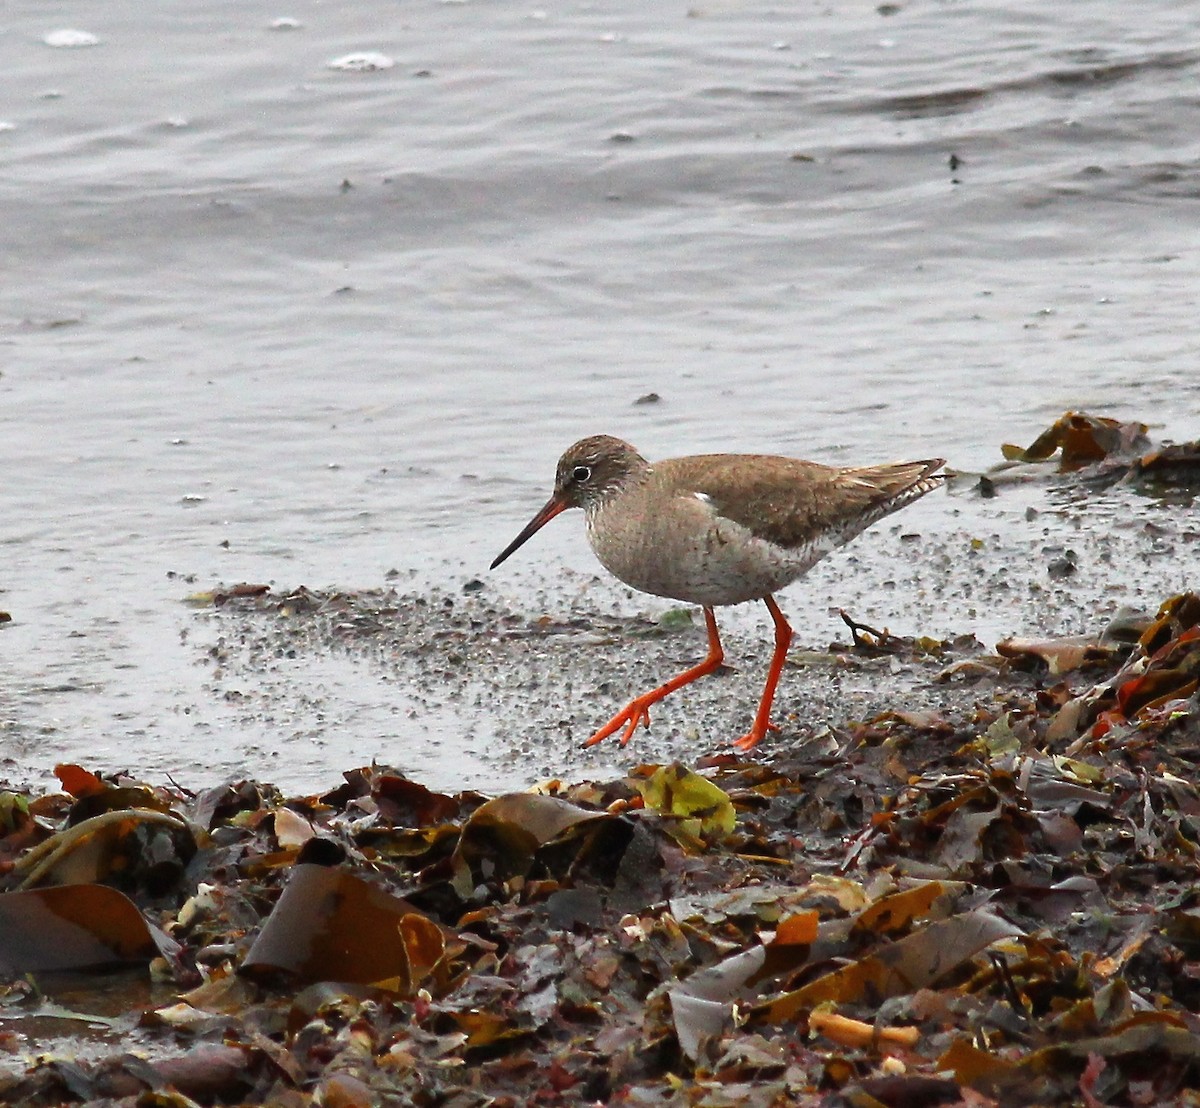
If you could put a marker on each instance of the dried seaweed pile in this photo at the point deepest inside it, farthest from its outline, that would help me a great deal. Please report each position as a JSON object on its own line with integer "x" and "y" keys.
{"x": 912, "y": 911}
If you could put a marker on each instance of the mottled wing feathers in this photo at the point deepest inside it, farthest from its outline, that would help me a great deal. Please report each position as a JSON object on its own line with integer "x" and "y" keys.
{"x": 790, "y": 502}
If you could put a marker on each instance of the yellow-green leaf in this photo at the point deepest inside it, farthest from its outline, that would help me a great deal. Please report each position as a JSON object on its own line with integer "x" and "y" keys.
{"x": 676, "y": 790}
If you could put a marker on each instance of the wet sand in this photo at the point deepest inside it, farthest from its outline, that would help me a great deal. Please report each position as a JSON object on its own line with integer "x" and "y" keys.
{"x": 473, "y": 687}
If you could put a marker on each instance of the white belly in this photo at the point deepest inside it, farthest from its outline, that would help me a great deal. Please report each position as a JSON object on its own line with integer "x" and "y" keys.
{"x": 705, "y": 559}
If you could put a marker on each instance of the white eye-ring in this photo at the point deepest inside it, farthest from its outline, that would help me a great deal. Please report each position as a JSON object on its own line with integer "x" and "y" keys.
{"x": 581, "y": 474}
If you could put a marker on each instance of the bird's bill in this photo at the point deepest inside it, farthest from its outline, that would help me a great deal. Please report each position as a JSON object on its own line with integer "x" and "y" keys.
{"x": 552, "y": 508}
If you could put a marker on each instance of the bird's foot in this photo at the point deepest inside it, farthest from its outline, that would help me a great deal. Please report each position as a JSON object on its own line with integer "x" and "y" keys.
{"x": 636, "y": 712}
{"x": 753, "y": 737}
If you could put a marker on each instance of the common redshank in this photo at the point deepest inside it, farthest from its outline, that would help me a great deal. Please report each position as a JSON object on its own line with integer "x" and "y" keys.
{"x": 716, "y": 529}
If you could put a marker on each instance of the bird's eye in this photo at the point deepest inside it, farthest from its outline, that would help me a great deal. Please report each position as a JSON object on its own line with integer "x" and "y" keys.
{"x": 581, "y": 474}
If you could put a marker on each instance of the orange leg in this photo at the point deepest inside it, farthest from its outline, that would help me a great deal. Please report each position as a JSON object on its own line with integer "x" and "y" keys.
{"x": 762, "y": 718}
{"x": 638, "y": 710}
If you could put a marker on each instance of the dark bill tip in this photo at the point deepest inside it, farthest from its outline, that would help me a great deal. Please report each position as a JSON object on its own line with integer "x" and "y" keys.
{"x": 552, "y": 507}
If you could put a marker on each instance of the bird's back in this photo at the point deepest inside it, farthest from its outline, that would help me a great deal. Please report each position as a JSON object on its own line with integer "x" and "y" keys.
{"x": 726, "y": 528}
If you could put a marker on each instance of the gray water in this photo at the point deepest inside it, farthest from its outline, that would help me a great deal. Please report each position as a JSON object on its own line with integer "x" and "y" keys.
{"x": 267, "y": 320}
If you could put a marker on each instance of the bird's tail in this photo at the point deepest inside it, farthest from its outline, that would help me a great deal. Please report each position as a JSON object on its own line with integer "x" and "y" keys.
{"x": 898, "y": 483}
